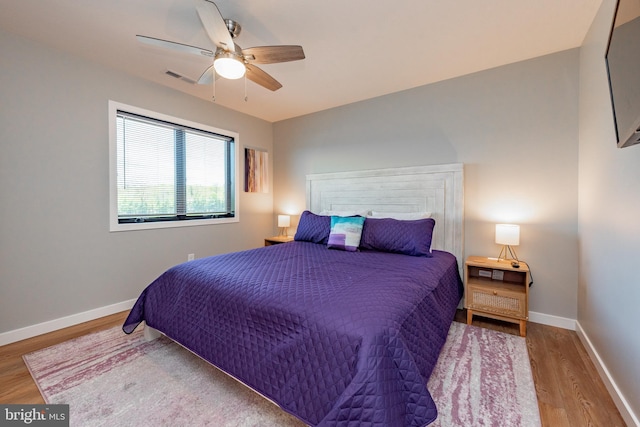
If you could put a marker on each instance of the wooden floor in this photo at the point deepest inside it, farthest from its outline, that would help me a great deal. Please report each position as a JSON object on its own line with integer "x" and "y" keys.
{"x": 570, "y": 392}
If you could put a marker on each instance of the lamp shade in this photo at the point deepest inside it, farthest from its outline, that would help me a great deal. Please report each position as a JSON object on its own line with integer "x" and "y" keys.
{"x": 508, "y": 234}
{"x": 284, "y": 220}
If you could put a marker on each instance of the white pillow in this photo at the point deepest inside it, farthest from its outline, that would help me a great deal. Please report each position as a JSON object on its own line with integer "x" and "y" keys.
{"x": 344, "y": 213}
{"x": 401, "y": 215}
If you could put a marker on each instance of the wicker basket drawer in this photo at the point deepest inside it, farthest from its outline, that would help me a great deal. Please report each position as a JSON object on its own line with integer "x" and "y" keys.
{"x": 498, "y": 301}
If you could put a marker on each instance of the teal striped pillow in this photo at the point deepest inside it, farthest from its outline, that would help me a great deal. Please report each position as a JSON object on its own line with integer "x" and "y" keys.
{"x": 345, "y": 232}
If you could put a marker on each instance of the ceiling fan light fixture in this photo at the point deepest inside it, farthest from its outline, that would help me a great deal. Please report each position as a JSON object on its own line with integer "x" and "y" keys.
{"x": 229, "y": 66}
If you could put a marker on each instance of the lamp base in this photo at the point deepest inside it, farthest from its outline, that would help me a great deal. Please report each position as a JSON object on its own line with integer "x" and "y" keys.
{"x": 508, "y": 250}
{"x": 283, "y": 232}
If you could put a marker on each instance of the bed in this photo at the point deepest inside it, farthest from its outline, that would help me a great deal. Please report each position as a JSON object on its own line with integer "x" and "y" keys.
{"x": 333, "y": 336}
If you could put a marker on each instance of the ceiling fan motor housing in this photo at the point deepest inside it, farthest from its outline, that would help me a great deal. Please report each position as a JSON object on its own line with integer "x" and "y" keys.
{"x": 233, "y": 27}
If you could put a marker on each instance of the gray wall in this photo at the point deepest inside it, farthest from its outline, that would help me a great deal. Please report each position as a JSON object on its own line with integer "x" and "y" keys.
{"x": 57, "y": 256}
{"x": 515, "y": 128}
{"x": 609, "y": 208}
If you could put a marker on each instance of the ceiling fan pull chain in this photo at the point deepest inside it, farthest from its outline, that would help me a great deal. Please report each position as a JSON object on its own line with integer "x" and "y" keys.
{"x": 245, "y": 87}
{"x": 214, "y": 85}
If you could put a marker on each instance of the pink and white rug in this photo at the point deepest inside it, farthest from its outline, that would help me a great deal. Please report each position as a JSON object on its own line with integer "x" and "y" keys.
{"x": 483, "y": 378}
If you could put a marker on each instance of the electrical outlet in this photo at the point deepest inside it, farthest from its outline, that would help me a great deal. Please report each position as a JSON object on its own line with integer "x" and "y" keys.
{"x": 191, "y": 257}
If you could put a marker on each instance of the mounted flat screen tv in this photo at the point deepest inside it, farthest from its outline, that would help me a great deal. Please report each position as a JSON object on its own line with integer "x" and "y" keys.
{"x": 623, "y": 66}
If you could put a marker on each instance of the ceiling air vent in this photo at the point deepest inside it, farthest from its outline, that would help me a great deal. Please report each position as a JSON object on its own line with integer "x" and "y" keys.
{"x": 179, "y": 76}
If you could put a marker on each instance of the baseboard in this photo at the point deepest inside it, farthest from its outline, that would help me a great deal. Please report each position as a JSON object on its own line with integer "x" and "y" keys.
{"x": 63, "y": 322}
{"x": 551, "y": 320}
{"x": 618, "y": 398}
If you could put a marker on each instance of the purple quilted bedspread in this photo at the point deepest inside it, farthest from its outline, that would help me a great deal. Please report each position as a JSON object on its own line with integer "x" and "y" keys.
{"x": 335, "y": 338}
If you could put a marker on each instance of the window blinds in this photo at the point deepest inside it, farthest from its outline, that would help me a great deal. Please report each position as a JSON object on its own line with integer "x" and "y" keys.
{"x": 166, "y": 171}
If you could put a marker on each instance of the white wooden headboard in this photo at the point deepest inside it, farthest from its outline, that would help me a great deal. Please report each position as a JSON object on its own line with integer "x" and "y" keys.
{"x": 437, "y": 189}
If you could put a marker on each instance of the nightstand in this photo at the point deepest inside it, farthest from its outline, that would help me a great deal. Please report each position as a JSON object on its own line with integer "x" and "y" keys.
{"x": 497, "y": 290}
{"x": 276, "y": 240}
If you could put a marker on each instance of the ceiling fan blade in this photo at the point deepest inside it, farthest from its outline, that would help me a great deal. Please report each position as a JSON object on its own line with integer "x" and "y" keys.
{"x": 184, "y": 48}
{"x": 207, "y": 77}
{"x": 214, "y": 25}
{"x": 260, "y": 77}
{"x": 273, "y": 54}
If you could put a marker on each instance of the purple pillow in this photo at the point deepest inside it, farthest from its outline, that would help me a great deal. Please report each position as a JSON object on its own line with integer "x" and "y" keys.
{"x": 404, "y": 237}
{"x": 313, "y": 228}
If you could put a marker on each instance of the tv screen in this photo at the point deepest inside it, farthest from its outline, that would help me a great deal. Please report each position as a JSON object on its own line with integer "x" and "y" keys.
{"x": 623, "y": 66}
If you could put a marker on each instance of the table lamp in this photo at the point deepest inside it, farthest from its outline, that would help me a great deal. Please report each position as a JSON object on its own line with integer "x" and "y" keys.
{"x": 284, "y": 221}
{"x": 507, "y": 235}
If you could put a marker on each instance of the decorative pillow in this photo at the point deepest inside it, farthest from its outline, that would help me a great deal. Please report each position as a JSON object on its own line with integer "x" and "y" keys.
{"x": 409, "y": 237}
{"x": 313, "y": 228}
{"x": 401, "y": 215}
{"x": 346, "y": 232}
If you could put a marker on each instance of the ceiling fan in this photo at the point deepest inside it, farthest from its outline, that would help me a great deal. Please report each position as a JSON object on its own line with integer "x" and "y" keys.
{"x": 229, "y": 59}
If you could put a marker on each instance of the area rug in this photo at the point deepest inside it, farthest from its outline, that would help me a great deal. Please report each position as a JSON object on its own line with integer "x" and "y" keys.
{"x": 483, "y": 378}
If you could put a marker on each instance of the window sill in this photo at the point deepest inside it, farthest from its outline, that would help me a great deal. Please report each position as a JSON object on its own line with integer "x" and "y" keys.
{"x": 169, "y": 224}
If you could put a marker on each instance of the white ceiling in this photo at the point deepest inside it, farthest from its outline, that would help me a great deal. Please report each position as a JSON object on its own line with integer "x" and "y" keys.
{"x": 355, "y": 49}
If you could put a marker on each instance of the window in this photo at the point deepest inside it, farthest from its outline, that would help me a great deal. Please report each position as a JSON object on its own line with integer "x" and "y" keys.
{"x": 168, "y": 172}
